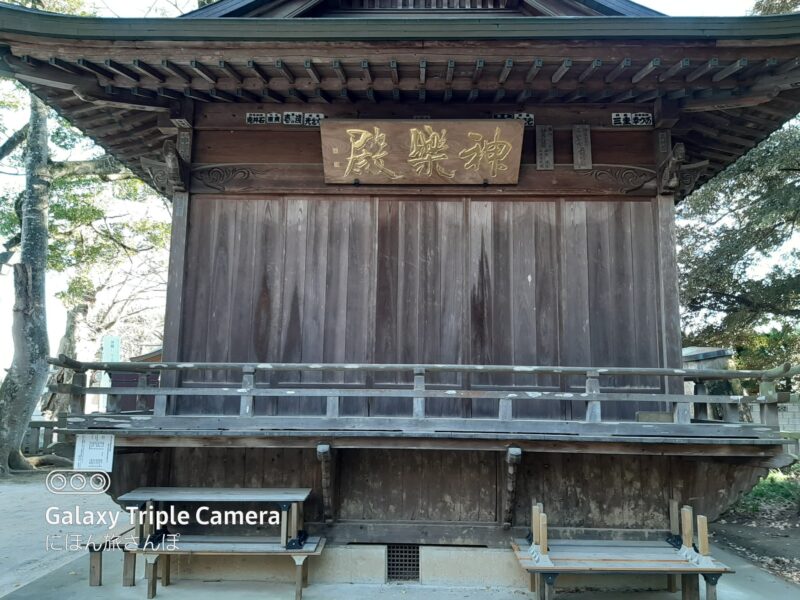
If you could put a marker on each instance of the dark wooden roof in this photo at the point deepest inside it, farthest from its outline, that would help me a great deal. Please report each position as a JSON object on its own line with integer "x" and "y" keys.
{"x": 319, "y": 8}
{"x": 725, "y": 83}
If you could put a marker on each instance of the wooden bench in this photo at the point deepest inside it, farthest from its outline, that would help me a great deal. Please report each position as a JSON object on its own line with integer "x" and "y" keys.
{"x": 546, "y": 559}
{"x": 217, "y": 545}
{"x": 292, "y": 542}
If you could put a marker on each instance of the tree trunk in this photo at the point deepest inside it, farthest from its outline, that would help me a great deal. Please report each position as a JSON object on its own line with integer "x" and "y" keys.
{"x": 52, "y": 402}
{"x": 25, "y": 380}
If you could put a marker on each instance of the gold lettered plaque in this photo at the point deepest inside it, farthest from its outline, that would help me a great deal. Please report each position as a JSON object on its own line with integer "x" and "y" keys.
{"x": 422, "y": 152}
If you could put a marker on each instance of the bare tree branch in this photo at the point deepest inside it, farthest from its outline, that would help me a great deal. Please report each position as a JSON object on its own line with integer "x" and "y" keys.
{"x": 105, "y": 167}
{"x": 13, "y": 142}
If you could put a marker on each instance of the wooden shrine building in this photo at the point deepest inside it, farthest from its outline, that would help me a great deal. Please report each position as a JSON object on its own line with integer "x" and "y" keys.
{"x": 423, "y": 253}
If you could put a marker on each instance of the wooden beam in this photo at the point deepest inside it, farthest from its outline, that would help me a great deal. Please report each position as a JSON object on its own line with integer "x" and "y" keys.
{"x": 478, "y": 70}
{"x": 423, "y": 71}
{"x": 321, "y": 94}
{"x": 704, "y": 69}
{"x": 222, "y": 95}
{"x": 231, "y": 71}
{"x": 621, "y": 67}
{"x": 149, "y": 70}
{"x": 590, "y": 70}
{"x": 366, "y": 71}
{"x": 646, "y": 70}
{"x": 450, "y": 71}
{"x": 272, "y": 96}
{"x": 95, "y": 68}
{"x": 731, "y": 69}
{"x": 789, "y": 65}
{"x": 65, "y": 66}
{"x": 326, "y": 469}
{"x": 203, "y": 71}
{"x": 122, "y": 70}
{"x": 259, "y": 71}
{"x": 534, "y": 70}
{"x": 287, "y": 74}
{"x": 506, "y": 71}
{"x": 173, "y": 69}
{"x": 311, "y": 70}
{"x": 395, "y": 74}
{"x": 499, "y": 95}
{"x": 679, "y": 66}
{"x": 297, "y": 95}
{"x": 247, "y": 95}
{"x": 562, "y": 70}
{"x": 196, "y": 95}
{"x": 336, "y": 65}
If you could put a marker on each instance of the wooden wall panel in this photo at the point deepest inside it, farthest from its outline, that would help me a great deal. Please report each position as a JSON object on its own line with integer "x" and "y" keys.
{"x": 369, "y": 279}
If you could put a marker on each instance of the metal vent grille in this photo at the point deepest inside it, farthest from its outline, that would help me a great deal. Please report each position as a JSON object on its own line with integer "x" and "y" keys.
{"x": 403, "y": 562}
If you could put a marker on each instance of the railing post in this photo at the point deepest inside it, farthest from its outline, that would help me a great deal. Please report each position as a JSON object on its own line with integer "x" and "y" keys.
{"x": 160, "y": 402}
{"x": 141, "y": 382}
{"x": 681, "y": 411}
{"x": 701, "y": 409}
{"x": 246, "y": 400}
{"x": 77, "y": 399}
{"x": 419, "y": 385}
{"x": 594, "y": 412}
{"x": 769, "y": 410}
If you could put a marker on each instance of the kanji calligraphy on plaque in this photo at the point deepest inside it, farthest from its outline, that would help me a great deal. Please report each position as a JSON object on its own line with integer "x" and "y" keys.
{"x": 422, "y": 152}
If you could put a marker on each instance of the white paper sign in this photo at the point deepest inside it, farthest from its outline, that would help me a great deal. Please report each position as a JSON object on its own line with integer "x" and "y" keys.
{"x": 94, "y": 452}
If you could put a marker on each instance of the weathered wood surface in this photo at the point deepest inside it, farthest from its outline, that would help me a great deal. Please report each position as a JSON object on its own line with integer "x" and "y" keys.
{"x": 387, "y": 280}
{"x": 200, "y": 494}
{"x": 378, "y": 489}
{"x": 429, "y": 152}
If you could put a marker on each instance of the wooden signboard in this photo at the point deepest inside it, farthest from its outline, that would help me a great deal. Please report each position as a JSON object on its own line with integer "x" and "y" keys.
{"x": 422, "y": 152}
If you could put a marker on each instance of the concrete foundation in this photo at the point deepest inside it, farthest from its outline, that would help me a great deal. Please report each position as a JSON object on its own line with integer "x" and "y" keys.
{"x": 443, "y": 566}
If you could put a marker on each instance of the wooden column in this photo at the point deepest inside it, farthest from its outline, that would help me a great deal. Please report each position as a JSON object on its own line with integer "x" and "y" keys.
{"x": 172, "y": 351}
{"x": 324, "y": 458}
{"x": 669, "y": 297}
{"x": 513, "y": 459}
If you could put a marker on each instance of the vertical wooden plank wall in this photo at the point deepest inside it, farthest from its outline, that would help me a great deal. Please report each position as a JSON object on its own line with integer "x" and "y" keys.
{"x": 361, "y": 279}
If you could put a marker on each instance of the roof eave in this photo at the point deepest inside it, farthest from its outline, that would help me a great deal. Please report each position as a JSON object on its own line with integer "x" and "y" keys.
{"x": 40, "y": 24}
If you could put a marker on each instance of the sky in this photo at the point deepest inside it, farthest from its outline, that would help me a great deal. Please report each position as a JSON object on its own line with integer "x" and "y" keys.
{"x": 155, "y": 8}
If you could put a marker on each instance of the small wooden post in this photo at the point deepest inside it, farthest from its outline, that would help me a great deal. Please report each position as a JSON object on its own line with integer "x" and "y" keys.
{"x": 151, "y": 573}
{"x": 543, "y": 534}
{"x": 160, "y": 401}
{"x": 77, "y": 400}
{"x": 164, "y": 558}
{"x": 285, "y": 510}
{"x": 769, "y": 410}
{"x": 711, "y": 586}
{"x": 674, "y": 529}
{"x": 128, "y": 568}
{"x": 246, "y": 400}
{"x": 702, "y": 535}
{"x": 690, "y": 587}
{"x": 701, "y": 409}
{"x": 141, "y": 382}
{"x": 593, "y": 410}
{"x": 687, "y": 526}
{"x": 419, "y": 403}
{"x": 299, "y": 560}
{"x": 505, "y": 409}
{"x": 536, "y": 519}
{"x": 332, "y": 408}
{"x": 95, "y": 565}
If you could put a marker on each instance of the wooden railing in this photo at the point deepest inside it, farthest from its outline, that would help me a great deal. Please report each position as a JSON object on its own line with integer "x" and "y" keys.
{"x": 169, "y": 391}
{"x": 39, "y": 435}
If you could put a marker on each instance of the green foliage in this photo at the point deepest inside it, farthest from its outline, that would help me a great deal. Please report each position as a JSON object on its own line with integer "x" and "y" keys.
{"x": 775, "y": 7}
{"x": 738, "y": 249}
{"x": 780, "y": 488}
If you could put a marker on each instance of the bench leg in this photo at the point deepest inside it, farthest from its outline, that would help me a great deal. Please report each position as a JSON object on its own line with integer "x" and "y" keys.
{"x": 164, "y": 558}
{"x": 673, "y": 583}
{"x": 95, "y": 567}
{"x": 711, "y": 586}
{"x": 548, "y": 585}
{"x": 305, "y": 573}
{"x": 128, "y": 568}
{"x": 151, "y": 573}
{"x": 299, "y": 568}
{"x": 690, "y": 587}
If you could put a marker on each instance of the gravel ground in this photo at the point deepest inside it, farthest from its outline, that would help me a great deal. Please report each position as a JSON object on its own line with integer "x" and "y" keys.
{"x": 24, "y": 553}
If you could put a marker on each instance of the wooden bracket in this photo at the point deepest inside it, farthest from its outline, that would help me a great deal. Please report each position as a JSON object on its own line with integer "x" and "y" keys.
{"x": 669, "y": 170}
{"x": 324, "y": 457}
{"x": 169, "y": 176}
{"x": 513, "y": 459}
